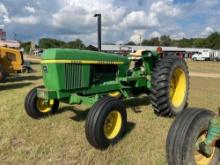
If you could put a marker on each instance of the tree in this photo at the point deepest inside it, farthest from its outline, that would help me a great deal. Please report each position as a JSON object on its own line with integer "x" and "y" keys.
{"x": 79, "y": 44}
{"x": 199, "y": 43}
{"x": 75, "y": 44}
{"x": 175, "y": 43}
{"x": 46, "y": 43}
{"x": 185, "y": 43}
{"x": 145, "y": 42}
{"x": 152, "y": 42}
{"x": 130, "y": 43}
{"x": 165, "y": 41}
{"x": 213, "y": 41}
{"x": 26, "y": 46}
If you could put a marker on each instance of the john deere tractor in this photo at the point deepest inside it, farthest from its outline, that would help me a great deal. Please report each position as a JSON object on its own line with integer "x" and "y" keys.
{"x": 104, "y": 81}
{"x": 194, "y": 138}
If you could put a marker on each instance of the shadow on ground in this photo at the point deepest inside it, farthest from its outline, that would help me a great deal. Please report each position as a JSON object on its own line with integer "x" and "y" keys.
{"x": 80, "y": 115}
{"x": 23, "y": 78}
{"x": 130, "y": 127}
{"x": 135, "y": 103}
{"x": 13, "y": 86}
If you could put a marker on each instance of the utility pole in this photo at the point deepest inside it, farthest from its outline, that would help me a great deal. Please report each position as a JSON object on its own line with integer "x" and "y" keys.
{"x": 99, "y": 31}
{"x": 140, "y": 37}
{"x": 15, "y": 36}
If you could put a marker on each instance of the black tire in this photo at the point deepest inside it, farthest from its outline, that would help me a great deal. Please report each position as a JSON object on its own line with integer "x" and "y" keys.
{"x": 194, "y": 59}
{"x": 96, "y": 118}
{"x": 3, "y": 74}
{"x": 162, "y": 76}
{"x": 183, "y": 134}
{"x": 30, "y": 105}
{"x": 25, "y": 70}
{"x": 173, "y": 131}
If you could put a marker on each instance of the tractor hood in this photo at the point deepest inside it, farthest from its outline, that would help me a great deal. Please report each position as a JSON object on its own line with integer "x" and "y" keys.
{"x": 81, "y": 56}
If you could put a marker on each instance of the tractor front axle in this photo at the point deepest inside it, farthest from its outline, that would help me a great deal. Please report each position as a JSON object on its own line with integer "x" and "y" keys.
{"x": 206, "y": 147}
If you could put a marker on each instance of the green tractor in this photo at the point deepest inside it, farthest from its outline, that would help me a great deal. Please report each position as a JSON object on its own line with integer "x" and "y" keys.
{"x": 194, "y": 138}
{"x": 104, "y": 81}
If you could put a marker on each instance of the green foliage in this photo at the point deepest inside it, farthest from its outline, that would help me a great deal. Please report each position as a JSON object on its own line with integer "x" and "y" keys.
{"x": 130, "y": 43}
{"x": 175, "y": 43}
{"x": 46, "y": 43}
{"x": 75, "y": 44}
{"x": 26, "y": 46}
{"x": 199, "y": 42}
{"x": 50, "y": 43}
{"x": 212, "y": 41}
{"x": 185, "y": 43}
{"x": 152, "y": 42}
{"x": 165, "y": 41}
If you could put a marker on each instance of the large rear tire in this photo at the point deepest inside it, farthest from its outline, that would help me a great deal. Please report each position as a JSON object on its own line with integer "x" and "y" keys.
{"x": 187, "y": 131}
{"x": 37, "y": 108}
{"x": 106, "y": 122}
{"x": 170, "y": 86}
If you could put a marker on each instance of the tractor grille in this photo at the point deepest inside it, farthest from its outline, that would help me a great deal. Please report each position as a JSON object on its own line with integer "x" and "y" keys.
{"x": 74, "y": 76}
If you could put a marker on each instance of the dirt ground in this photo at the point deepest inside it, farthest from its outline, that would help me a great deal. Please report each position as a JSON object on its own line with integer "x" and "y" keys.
{"x": 207, "y": 75}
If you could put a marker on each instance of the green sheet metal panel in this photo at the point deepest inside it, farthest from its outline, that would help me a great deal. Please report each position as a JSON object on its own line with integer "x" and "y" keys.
{"x": 75, "y": 54}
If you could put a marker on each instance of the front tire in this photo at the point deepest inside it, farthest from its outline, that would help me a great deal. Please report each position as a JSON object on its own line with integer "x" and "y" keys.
{"x": 37, "y": 108}
{"x": 170, "y": 86}
{"x": 187, "y": 131}
{"x": 106, "y": 122}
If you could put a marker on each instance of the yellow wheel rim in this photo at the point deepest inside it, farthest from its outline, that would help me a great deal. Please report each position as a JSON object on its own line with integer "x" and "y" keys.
{"x": 115, "y": 94}
{"x": 178, "y": 87}
{"x": 201, "y": 159}
{"x": 112, "y": 124}
{"x": 43, "y": 106}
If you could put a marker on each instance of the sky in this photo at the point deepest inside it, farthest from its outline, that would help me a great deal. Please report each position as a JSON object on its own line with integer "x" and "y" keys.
{"x": 122, "y": 20}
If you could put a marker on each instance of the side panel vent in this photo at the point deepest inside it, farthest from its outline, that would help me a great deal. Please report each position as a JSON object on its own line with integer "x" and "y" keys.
{"x": 74, "y": 76}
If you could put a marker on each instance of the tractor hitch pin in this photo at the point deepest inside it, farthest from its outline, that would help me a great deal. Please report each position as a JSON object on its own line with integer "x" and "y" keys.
{"x": 206, "y": 147}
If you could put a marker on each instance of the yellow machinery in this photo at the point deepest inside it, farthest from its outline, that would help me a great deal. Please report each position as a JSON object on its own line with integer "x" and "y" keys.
{"x": 11, "y": 61}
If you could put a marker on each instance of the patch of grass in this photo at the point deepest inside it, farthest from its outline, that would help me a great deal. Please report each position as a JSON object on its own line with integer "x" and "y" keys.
{"x": 60, "y": 139}
{"x": 204, "y": 66}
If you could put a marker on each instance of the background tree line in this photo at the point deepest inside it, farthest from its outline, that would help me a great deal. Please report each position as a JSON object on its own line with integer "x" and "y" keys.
{"x": 45, "y": 43}
{"x": 212, "y": 41}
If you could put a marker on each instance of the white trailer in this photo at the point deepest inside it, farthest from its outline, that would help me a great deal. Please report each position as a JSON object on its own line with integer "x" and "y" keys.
{"x": 203, "y": 55}
{"x": 216, "y": 56}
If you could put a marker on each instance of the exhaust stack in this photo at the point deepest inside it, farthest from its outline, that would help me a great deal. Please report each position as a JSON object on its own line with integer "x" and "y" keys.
{"x": 99, "y": 31}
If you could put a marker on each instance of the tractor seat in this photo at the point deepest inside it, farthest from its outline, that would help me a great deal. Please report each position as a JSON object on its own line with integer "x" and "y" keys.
{"x": 137, "y": 55}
